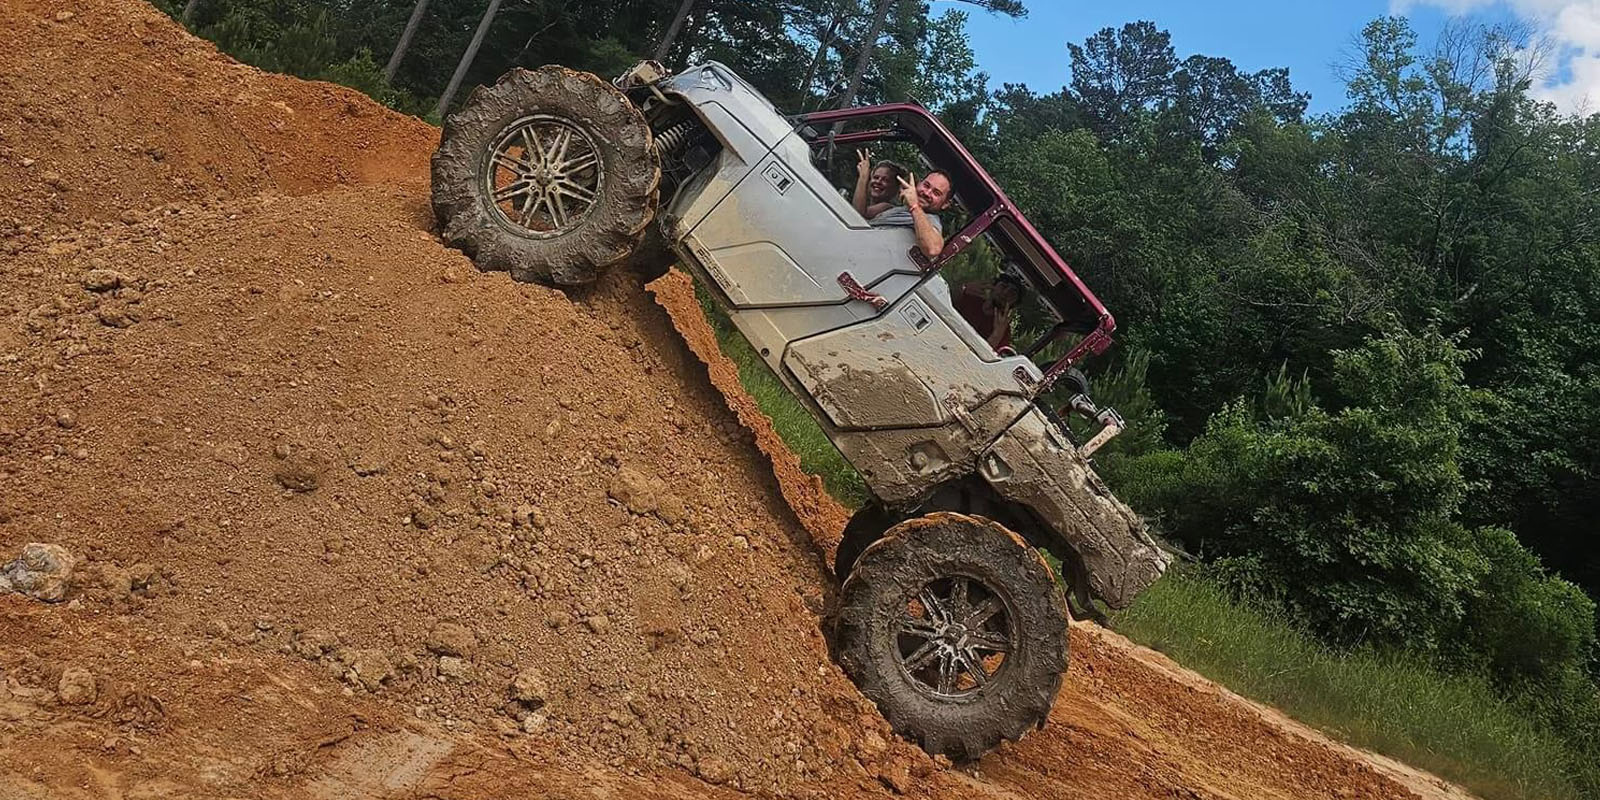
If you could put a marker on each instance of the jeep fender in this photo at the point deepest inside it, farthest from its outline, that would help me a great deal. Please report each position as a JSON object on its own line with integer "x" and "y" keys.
{"x": 1034, "y": 465}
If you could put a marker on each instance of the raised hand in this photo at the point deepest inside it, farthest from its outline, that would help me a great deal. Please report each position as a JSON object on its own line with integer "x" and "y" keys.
{"x": 863, "y": 162}
{"x": 908, "y": 189}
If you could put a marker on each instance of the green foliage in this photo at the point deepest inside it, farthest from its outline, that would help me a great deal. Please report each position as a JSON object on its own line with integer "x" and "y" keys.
{"x": 362, "y": 73}
{"x": 1532, "y": 628}
{"x": 1349, "y": 517}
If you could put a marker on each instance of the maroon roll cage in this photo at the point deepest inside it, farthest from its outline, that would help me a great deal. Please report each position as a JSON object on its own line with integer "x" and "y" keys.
{"x": 1080, "y": 311}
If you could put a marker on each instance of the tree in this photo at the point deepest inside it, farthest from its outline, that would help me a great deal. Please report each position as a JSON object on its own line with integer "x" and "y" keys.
{"x": 1213, "y": 99}
{"x": 880, "y": 14}
{"x": 188, "y": 12}
{"x": 864, "y": 56}
{"x": 417, "y": 11}
{"x": 1118, "y": 72}
{"x": 466, "y": 59}
{"x": 672, "y": 30}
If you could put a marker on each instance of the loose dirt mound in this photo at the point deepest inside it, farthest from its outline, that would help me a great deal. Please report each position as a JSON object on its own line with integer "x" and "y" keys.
{"x": 107, "y": 110}
{"x": 355, "y": 520}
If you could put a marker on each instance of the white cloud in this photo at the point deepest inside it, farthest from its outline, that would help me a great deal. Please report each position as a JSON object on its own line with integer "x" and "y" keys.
{"x": 1572, "y": 28}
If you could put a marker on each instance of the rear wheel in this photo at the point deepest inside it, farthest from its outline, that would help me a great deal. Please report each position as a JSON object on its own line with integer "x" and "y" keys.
{"x": 955, "y": 628}
{"x": 549, "y": 174}
{"x": 866, "y": 526}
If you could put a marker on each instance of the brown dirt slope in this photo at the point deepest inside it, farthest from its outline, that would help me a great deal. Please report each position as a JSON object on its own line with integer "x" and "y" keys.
{"x": 357, "y": 521}
{"x": 108, "y": 109}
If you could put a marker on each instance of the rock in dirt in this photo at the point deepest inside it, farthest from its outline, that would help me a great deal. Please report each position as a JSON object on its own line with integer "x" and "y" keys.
{"x": 42, "y": 572}
{"x": 454, "y": 668}
{"x": 118, "y": 315}
{"x": 77, "y": 687}
{"x": 632, "y": 489}
{"x": 425, "y": 517}
{"x": 896, "y": 777}
{"x": 713, "y": 770}
{"x": 370, "y": 668}
{"x": 103, "y": 280}
{"x": 314, "y": 643}
{"x": 529, "y": 688}
{"x": 299, "y": 472}
{"x": 452, "y": 639}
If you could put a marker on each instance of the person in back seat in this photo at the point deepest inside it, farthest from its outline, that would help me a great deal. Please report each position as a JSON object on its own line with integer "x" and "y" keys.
{"x": 923, "y": 200}
{"x": 987, "y": 307}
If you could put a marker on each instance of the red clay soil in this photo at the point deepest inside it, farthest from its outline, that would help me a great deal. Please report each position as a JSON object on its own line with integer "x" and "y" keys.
{"x": 107, "y": 108}
{"x": 355, "y": 520}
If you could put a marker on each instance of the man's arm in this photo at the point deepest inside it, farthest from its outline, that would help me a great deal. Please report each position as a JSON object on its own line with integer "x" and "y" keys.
{"x": 877, "y": 208}
{"x": 928, "y": 237}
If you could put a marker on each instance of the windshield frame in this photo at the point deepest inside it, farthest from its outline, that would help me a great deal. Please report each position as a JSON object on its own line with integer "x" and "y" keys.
{"x": 1056, "y": 283}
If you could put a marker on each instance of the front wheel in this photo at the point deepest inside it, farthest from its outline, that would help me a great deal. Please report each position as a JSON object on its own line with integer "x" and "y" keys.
{"x": 550, "y": 174}
{"x": 956, "y": 629}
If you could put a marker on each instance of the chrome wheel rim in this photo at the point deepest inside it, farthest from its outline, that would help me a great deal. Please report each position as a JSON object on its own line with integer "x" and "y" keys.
{"x": 955, "y": 636}
{"x": 544, "y": 176}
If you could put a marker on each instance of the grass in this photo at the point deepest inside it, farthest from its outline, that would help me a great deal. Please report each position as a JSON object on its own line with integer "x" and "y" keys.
{"x": 1455, "y": 726}
{"x": 1452, "y": 725}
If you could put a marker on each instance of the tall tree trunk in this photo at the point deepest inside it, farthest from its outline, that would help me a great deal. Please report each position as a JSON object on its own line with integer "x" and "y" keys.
{"x": 405, "y": 40}
{"x": 672, "y": 30}
{"x": 865, "y": 56}
{"x": 816, "y": 60}
{"x": 188, "y": 12}
{"x": 689, "y": 35}
{"x": 466, "y": 60}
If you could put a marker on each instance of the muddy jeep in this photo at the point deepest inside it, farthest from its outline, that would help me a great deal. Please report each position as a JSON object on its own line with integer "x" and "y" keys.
{"x": 949, "y": 618}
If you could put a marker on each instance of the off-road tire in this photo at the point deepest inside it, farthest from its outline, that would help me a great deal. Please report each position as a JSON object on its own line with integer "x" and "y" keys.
{"x": 652, "y": 257}
{"x": 915, "y": 554}
{"x": 867, "y": 525}
{"x": 624, "y": 200}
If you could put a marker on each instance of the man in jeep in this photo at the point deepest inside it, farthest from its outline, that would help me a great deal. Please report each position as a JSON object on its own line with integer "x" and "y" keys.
{"x": 923, "y": 200}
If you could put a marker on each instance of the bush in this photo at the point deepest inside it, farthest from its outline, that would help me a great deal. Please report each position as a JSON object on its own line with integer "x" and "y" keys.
{"x": 1350, "y": 515}
{"x": 362, "y": 73}
{"x": 1529, "y": 626}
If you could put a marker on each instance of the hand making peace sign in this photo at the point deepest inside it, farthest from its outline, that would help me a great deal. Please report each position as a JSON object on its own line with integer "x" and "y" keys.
{"x": 908, "y": 189}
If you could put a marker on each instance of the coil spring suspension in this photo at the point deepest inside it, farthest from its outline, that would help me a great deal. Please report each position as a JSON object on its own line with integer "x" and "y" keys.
{"x": 671, "y": 141}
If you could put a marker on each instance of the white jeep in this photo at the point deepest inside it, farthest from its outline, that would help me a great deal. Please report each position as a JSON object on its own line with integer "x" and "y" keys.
{"x": 949, "y": 619}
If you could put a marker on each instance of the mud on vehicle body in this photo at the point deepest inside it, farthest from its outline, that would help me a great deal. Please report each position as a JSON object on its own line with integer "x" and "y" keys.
{"x": 949, "y": 619}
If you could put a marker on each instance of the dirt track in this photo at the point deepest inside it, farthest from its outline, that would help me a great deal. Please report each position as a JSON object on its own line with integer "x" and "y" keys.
{"x": 335, "y": 491}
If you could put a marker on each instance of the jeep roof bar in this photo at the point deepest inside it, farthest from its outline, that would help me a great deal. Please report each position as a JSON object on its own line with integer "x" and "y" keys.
{"x": 1079, "y": 305}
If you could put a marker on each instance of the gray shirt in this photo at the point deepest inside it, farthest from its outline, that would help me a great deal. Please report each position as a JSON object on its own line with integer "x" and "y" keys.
{"x": 900, "y": 217}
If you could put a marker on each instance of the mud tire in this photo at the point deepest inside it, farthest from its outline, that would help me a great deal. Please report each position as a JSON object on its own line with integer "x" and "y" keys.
{"x": 625, "y": 199}
{"x": 652, "y": 257}
{"x": 867, "y": 525}
{"x": 893, "y": 569}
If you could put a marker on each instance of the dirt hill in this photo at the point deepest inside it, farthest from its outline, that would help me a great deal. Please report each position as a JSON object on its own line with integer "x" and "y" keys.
{"x": 354, "y": 520}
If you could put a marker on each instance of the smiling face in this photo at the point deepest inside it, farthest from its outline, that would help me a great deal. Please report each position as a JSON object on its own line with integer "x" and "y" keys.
{"x": 933, "y": 192}
{"x": 882, "y": 185}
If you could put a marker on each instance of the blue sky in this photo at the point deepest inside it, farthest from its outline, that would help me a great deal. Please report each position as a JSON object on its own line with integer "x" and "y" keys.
{"x": 1310, "y": 37}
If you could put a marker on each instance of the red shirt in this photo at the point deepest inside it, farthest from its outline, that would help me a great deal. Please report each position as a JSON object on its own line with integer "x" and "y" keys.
{"x": 974, "y": 308}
